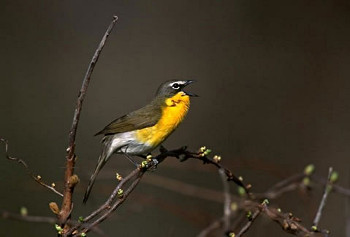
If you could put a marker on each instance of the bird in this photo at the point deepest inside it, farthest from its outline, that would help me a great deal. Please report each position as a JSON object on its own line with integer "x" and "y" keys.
{"x": 143, "y": 130}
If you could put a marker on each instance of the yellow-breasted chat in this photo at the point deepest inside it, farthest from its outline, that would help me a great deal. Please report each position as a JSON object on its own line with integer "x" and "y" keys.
{"x": 143, "y": 130}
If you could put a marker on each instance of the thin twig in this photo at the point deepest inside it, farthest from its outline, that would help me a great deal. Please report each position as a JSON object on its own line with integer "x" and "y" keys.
{"x": 183, "y": 154}
{"x": 183, "y": 188}
{"x": 287, "y": 221}
{"x": 114, "y": 206}
{"x": 224, "y": 221}
{"x": 37, "y": 178}
{"x": 335, "y": 187}
{"x": 327, "y": 190}
{"x": 227, "y": 201}
{"x": 210, "y": 228}
{"x": 114, "y": 194}
{"x": 286, "y": 185}
{"x": 39, "y": 219}
{"x": 289, "y": 224}
{"x": 246, "y": 227}
{"x": 27, "y": 218}
{"x": 347, "y": 213}
{"x": 341, "y": 190}
{"x": 107, "y": 207}
{"x": 285, "y": 182}
{"x": 66, "y": 207}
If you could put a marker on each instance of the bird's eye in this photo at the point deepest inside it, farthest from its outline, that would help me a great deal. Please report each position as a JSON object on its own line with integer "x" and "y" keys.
{"x": 175, "y": 86}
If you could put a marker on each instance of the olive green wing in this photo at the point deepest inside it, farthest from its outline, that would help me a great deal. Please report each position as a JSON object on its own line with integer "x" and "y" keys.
{"x": 142, "y": 118}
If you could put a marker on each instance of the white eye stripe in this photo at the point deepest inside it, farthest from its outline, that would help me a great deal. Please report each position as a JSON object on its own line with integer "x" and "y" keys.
{"x": 176, "y": 85}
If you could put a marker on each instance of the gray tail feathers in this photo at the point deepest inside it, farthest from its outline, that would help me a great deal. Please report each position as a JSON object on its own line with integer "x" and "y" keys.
{"x": 102, "y": 160}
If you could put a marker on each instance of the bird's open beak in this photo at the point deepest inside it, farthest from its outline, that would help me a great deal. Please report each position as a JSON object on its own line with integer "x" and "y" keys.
{"x": 188, "y": 93}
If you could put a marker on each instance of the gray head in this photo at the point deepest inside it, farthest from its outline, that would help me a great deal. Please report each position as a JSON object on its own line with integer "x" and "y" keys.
{"x": 170, "y": 88}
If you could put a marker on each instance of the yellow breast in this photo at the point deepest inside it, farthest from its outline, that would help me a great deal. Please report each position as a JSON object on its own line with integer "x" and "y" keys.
{"x": 173, "y": 113}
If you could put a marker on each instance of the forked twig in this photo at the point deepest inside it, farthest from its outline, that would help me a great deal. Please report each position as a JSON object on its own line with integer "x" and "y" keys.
{"x": 114, "y": 194}
{"x": 114, "y": 206}
{"x": 118, "y": 196}
{"x": 112, "y": 203}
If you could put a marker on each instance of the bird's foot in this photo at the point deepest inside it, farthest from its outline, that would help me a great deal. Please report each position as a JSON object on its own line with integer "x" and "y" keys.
{"x": 149, "y": 164}
{"x": 154, "y": 166}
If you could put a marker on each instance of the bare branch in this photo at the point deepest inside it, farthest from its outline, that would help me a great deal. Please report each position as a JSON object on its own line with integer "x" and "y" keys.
{"x": 108, "y": 207}
{"x": 227, "y": 201}
{"x": 183, "y": 188}
{"x": 341, "y": 190}
{"x": 40, "y": 219}
{"x": 335, "y": 187}
{"x": 37, "y": 178}
{"x": 183, "y": 154}
{"x": 251, "y": 219}
{"x": 66, "y": 207}
{"x": 225, "y": 220}
{"x": 27, "y": 218}
{"x": 286, "y": 185}
{"x": 213, "y": 226}
{"x": 327, "y": 190}
{"x": 287, "y": 221}
{"x": 114, "y": 194}
{"x": 114, "y": 206}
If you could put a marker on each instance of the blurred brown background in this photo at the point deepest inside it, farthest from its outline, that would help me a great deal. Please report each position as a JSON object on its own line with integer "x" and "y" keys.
{"x": 273, "y": 77}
